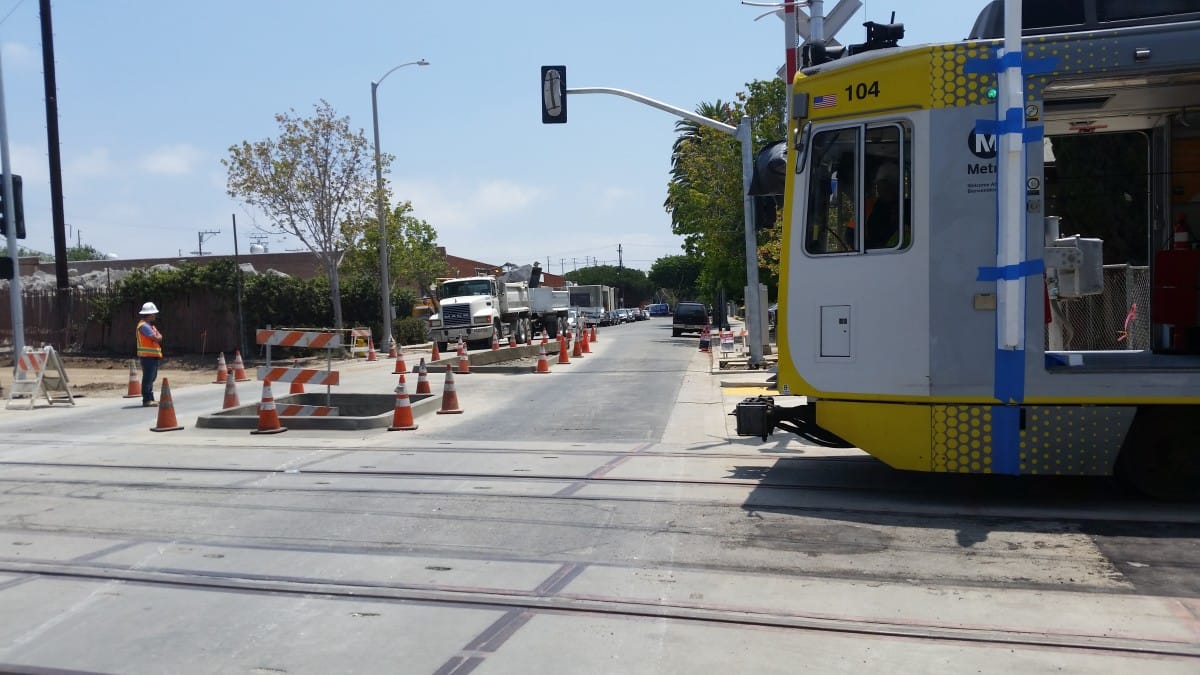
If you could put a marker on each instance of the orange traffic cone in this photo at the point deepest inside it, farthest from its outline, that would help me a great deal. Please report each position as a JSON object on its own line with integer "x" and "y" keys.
{"x": 514, "y": 342}
{"x": 222, "y": 369}
{"x": 393, "y": 351}
{"x": 529, "y": 338}
{"x": 135, "y": 387}
{"x": 231, "y": 395}
{"x": 495, "y": 341}
{"x": 402, "y": 417}
{"x": 239, "y": 368}
{"x": 449, "y": 396}
{"x": 545, "y": 338}
{"x": 577, "y": 349}
{"x": 402, "y": 380}
{"x": 464, "y": 362}
{"x": 371, "y": 349}
{"x": 423, "y": 379}
{"x": 166, "y": 411}
{"x": 400, "y": 365}
{"x": 435, "y": 355}
{"x": 705, "y": 342}
{"x": 543, "y": 365}
{"x": 562, "y": 350}
{"x": 297, "y": 386}
{"x": 587, "y": 347}
{"x": 593, "y": 332}
{"x": 268, "y": 417}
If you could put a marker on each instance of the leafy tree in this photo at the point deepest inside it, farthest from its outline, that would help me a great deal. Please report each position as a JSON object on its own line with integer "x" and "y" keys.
{"x": 84, "y": 252}
{"x": 315, "y": 176}
{"x": 705, "y": 196}
{"x": 633, "y": 288}
{"x": 675, "y": 277}
{"x": 413, "y": 257}
{"x": 23, "y": 252}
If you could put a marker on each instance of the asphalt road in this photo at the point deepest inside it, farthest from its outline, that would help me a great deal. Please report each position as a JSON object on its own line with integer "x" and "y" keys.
{"x": 600, "y": 519}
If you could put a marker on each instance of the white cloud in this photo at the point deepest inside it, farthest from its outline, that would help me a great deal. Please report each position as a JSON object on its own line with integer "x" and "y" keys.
{"x": 171, "y": 160}
{"x": 93, "y": 163}
{"x": 17, "y": 55}
{"x": 461, "y": 206}
{"x": 30, "y": 161}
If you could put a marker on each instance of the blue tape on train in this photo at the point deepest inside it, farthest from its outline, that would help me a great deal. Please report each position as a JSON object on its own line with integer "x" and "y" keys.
{"x": 1010, "y": 60}
{"x": 1028, "y": 268}
{"x": 1006, "y": 440}
{"x": 1013, "y": 123}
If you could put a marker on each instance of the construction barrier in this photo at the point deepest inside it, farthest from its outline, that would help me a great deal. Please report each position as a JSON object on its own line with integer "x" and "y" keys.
{"x": 40, "y": 374}
{"x": 295, "y": 338}
{"x": 301, "y": 375}
{"x": 360, "y": 339}
{"x": 297, "y": 410}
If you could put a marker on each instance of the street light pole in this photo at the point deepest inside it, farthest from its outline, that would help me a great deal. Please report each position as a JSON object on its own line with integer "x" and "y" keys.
{"x": 384, "y": 281}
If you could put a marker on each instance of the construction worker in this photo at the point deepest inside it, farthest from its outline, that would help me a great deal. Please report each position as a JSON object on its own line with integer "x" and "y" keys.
{"x": 149, "y": 351}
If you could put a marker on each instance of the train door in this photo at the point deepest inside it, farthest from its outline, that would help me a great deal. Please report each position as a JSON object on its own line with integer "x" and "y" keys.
{"x": 858, "y": 285}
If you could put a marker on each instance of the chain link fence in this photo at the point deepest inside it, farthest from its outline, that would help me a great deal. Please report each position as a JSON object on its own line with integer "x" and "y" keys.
{"x": 1118, "y": 318}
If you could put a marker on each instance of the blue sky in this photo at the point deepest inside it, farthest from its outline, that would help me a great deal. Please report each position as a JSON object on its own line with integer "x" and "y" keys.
{"x": 152, "y": 94}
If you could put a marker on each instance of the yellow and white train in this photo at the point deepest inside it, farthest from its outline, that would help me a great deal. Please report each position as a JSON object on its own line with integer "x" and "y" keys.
{"x": 892, "y": 295}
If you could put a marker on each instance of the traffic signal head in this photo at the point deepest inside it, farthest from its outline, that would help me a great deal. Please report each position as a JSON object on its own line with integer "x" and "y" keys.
{"x": 18, "y": 209}
{"x": 554, "y": 94}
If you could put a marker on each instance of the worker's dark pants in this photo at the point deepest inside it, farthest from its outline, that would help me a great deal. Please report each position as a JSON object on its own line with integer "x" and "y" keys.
{"x": 149, "y": 374}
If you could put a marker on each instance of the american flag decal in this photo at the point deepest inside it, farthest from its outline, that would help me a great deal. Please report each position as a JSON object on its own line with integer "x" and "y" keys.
{"x": 825, "y": 101}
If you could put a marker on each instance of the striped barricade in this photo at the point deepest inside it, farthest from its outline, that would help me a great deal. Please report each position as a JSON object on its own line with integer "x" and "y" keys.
{"x": 296, "y": 410}
{"x": 297, "y": 338}
{"x": 301, "y": 375}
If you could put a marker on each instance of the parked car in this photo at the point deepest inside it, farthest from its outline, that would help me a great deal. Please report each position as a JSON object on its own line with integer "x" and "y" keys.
{"x": 624, "y": 315}
{"x": 638, "y": 314}
{"x": 690, "y": 317}
{"x": 659, "y": 309}
{"x": 593, "y": 317}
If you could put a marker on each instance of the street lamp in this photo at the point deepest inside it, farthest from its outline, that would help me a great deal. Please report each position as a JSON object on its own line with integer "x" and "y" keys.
{"x": 384, "y": 282}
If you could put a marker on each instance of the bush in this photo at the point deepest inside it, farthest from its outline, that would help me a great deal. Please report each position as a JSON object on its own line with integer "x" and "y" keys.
{"x": 410, "y": 331}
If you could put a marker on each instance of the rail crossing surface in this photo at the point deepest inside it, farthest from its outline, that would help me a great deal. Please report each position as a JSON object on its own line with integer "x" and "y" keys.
{"x": 599, "y": 519}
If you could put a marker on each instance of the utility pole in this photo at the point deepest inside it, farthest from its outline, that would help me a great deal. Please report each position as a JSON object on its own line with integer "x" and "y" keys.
{"x": 57, "y": 216}
{"x": 202, "y": 237}
{"x": 562, "y": 266}
{"x": 620, "y": 257}
{"x": 237, "y": 264}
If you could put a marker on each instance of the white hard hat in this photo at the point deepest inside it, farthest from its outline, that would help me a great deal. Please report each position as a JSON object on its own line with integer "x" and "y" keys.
{"x": 149, "y": 308}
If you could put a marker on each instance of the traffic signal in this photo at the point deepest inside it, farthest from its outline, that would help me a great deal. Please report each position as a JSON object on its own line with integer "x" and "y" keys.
{"x": 554, "y": 94}
{"x": 18, "y": 209}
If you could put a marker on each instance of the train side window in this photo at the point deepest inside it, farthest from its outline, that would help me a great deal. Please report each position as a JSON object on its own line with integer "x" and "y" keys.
{"x": 887, "y": 208}
{"x": 834, "y": 193}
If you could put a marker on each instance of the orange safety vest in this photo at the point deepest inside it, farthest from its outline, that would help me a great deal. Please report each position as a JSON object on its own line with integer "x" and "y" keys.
{"x": 146, "y": 346}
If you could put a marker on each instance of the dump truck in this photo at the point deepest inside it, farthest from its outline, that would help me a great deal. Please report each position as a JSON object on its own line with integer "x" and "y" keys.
{"x": 511, "y": 305}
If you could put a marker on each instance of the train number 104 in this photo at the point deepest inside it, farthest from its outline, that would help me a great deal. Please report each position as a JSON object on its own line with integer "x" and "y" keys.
{"x": 862, "y": 90}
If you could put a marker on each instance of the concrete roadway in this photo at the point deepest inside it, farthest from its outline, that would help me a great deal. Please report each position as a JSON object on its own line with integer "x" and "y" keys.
{"x": 600, "y": 519}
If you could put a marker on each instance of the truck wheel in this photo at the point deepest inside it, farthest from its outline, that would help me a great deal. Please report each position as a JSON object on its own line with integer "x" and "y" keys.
{"x": 552, "y": 329}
